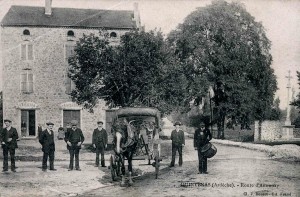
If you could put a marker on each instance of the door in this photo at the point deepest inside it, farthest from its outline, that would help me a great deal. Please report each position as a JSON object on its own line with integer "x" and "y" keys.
{"x": 69, "y": 115}
{"x": 27, "y": 123}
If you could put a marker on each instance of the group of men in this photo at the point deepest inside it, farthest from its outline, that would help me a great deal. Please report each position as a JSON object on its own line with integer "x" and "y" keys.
{"x": 73, "y": 137}
{"x": 202, "y": 136}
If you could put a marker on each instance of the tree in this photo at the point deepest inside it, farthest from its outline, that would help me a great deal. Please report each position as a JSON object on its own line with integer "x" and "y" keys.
{"x": 1, "y": 110}
{"x": 225, "y": 45}
{"x": 296, "y": 102}
{"x": 140, "y": 71}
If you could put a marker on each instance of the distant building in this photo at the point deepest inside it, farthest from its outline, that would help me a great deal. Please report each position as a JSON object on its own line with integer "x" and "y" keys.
{"x": 36, "y": 43}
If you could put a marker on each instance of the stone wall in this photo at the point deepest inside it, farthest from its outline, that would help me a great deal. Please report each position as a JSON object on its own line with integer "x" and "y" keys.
{"x": 49, "y": 68}
{"x": 270, "y": 131}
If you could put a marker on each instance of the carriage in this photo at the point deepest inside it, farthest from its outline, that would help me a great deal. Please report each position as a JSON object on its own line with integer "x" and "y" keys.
{"x": 143, "y": 127}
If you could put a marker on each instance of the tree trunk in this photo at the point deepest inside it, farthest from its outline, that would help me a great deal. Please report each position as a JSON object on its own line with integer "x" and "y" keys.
{"x": 220, "y": 124}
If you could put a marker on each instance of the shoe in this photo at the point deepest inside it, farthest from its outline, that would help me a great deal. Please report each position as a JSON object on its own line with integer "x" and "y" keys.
{"x": 205, "y": 172}
{"x": 171, "y": 165}
{"x": 96, "y": 165}
{"x": 4, "y": 170}
{"x": 44, "y": 170}
{"x": 70, "y": 169}
{"x": 103, "y": 166}
{"x": 78, "y": 169}
{"x": 13, "y": 170}
{"x": 200, "y": 172}
{"x": 53, "y": 169}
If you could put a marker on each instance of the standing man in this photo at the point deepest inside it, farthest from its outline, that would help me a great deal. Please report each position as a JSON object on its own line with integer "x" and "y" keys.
{"x": 178, "y": 141}
{"x": 99, "y": 141}
{"x": 9, "y": 144}
{"x": 48, "y": 146}
{"x": 74, "y": 138}
{"x": 201, "y": 137}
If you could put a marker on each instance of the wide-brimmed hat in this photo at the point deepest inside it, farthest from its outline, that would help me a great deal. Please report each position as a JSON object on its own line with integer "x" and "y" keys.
{"x": 7, "y": 120}
{"x": 177, "y": 123}
{"x": 49, "y": 123}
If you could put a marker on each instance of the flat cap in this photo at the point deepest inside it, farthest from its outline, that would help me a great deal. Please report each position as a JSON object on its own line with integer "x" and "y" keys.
{"x": 177, "y": 123}
{"x": 100, "y": 122}
{"x": 49, "y": 123}
{"x": 74, "y": 122}
{"x": 7, "y": 120}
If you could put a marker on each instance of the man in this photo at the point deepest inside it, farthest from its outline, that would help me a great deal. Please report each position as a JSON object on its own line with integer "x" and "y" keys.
{"x": 99, "y": 141}
{"x": 74, "y": 138}
{"x": 8, "y": 140}
{"x": 201, "y": 137}
{"x": 178, "y": 141}
{"x": 48, "y": 146}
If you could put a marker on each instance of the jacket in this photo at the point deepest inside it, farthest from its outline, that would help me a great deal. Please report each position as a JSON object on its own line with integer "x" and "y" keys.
{"x": 177, "y": 138}
{"x": 47, "y": 141}
{"x": 99, "y": 137}
{"x": 12, "y": 133}
{"x": 74, "y": 136}
{"x": 202, "y": 137}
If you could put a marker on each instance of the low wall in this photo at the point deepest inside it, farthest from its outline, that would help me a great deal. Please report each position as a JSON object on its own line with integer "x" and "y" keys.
{"x": 270, "y": 131}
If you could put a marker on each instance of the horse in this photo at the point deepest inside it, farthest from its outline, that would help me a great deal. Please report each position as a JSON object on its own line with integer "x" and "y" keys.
{"x": 125, "y": 142}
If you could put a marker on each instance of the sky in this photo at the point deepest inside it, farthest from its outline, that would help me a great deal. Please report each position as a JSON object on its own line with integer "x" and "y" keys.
{"x": 281, "y": 19}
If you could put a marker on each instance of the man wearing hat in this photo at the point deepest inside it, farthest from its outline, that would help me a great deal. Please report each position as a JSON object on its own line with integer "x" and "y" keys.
{"x": 8, "y": 140}
{"x": 178, "y": 141}
{"x": 48, "y": 146}
{"x": 99, "y": 141}
{"x": 74, "y": 138}
{"x": 201, "y": 137}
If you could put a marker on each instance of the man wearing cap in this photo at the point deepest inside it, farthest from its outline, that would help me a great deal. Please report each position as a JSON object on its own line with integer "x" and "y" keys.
{"x": 201, "y": 137}
{"x": 178, "y": 141}
{"x": 48, "y": 146}
{"x": 74, "y": 138}
{"x": 99, "y": 141}
{"x": 8, "y": 140}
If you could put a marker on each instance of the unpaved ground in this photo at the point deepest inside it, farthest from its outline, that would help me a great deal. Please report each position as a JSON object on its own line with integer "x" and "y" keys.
{"x": 231, "y": 166}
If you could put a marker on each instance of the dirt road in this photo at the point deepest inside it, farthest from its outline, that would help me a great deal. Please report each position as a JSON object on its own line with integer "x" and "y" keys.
{"x": 232, "y": 172}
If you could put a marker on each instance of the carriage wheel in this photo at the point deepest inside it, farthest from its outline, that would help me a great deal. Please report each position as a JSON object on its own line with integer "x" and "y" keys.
{"x": 112, "y": 168}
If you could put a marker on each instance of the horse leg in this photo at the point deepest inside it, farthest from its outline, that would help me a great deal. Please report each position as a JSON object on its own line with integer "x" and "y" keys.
{"x": 123, "y": 172}
{"x": 130, "y": 170}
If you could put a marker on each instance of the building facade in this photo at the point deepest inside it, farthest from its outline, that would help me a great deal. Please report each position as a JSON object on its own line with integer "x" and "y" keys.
{"x": 36, "y": 43}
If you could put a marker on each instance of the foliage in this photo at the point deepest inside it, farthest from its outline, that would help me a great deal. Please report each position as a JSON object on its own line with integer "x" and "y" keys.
{"x": 1, "y": 110}
{"x": 296, "y": 102}
{"x": 223, "y": 44}
{"x": 274, "y": 113}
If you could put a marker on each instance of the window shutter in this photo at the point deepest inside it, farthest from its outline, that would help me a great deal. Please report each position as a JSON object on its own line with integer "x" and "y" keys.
{"x": 68, "y": 85}
{"x": 30, "y": 51}
{"x": 69, "y": 51}
{"x": 30, "y": 83}
{"x": 23, "y": 82}
{"x": 23, "y": 51}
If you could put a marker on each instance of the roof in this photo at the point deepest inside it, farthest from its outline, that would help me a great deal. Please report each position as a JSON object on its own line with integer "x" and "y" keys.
{"x": 69, "y": 17}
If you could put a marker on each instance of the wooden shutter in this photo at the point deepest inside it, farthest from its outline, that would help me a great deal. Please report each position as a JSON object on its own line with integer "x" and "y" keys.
{"x": 30, "y": 51}
{"x": 23, "y": 51}
{"x": 24, "y": 82}
{"x": 30, "y": 82}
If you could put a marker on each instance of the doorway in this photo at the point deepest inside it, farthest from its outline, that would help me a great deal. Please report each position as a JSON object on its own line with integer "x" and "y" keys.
{"x": 69, "y": 115}
{"x": 28, "y": 123}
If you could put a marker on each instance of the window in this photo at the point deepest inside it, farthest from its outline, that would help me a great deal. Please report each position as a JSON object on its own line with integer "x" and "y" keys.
{"x": 27, "y": 51}
{"x": 113, "y": 35}
{"x": 70, "y": 33}
{"x": 69, "y": 84}
{"x": 27, "y": 82}
{"x": 69, "y": 50}
{"x": 26, "y": 32}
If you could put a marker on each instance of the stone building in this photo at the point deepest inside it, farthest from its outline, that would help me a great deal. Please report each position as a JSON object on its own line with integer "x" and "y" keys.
{"x": 36, "y": 43}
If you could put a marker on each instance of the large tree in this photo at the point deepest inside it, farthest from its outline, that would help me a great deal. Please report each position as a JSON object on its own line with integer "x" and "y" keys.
{"x": 296, "y": 102}
{"x": 224, "y": 44}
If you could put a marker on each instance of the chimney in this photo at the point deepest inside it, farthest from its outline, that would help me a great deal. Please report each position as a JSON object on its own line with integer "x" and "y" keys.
{"x": 137, "y": 15}
{"x": 48, "y": 4}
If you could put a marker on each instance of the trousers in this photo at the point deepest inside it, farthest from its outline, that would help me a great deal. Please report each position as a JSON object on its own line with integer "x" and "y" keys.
{"x": 74, "y": 152}
{"x": 47, "y": 154}
{"x": 174, "y": 149}
{"x": 11, "y": 151}
{"x": 202, "y": 161}
{"x": 100, "y": 150}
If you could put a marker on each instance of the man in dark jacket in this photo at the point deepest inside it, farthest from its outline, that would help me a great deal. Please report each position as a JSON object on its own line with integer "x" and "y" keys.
{"x": 48, "y": 146}
{"x": 99, "y": 141}
{"x": 9, "y": 144}
{"x": 201, "y": 137}
{"x": 74, "y": 138}
{"x": 178, "y": 141}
